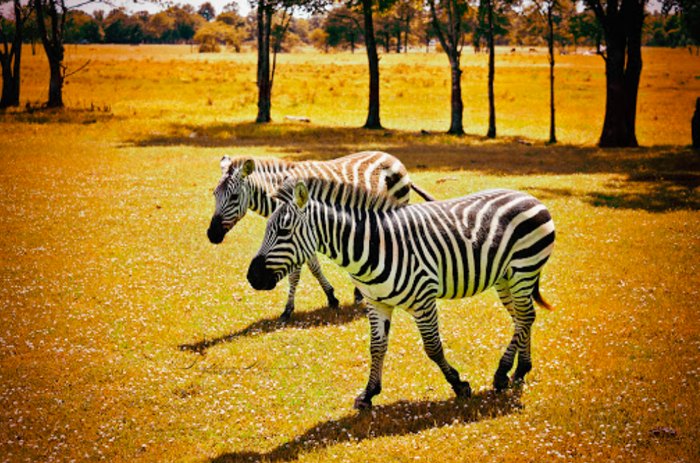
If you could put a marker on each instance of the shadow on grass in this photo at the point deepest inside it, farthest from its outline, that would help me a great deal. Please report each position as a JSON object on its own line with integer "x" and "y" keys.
{"x": 399, "y": 418}
{"x": 300, "y": 320}
{"x": 42, "y": 115}
{"x": 658, "y": 178}
{"x": 654, "y": 192}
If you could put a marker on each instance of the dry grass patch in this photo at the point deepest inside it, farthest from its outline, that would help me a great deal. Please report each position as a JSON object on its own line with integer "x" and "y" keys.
{"x": 126, "y": 336}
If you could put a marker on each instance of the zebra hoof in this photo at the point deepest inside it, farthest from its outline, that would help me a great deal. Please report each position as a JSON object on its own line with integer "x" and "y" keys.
{"x": 286, "y": 315}
{"x": 463, "y": 390}
{"x": 521, "y": 371}
{"x": 501, "y": 383}
{"x": 358, "y": 296}
{"x": 333, "y": 303}
{"x": 362, "y": 404}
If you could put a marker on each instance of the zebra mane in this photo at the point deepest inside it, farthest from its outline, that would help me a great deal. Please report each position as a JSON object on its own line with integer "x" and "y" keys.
{"x": 263, "y": 165}
{"x": 336, "y": 193}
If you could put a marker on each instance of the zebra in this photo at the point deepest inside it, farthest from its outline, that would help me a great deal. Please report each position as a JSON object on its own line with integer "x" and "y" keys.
{"x": 247, "y": 183}
{"x": 408, "y": 257}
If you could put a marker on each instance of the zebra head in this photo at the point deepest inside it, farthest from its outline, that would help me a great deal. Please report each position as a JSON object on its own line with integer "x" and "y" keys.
{"x": 289, "y": 239}
{"x": 232, "y": 196}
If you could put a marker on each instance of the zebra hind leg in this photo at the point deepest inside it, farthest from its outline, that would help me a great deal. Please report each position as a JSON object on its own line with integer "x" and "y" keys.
{"x": 315, "y": 268}
{"x": 427, "y": 321}
{"x": 358, "y": 296}
{"x": 293, "y": 282}
{"x": 379, "y": 324}
{"x": 521, "y": 309}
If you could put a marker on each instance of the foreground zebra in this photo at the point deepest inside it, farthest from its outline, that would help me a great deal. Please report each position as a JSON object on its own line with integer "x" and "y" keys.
{"x": 247, "y": 184}
{"x": 410, "y": 256}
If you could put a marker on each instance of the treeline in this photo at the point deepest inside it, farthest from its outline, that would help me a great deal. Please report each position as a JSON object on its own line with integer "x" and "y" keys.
{"x": 404, "y": 25}
{"x": 617, "y": 29}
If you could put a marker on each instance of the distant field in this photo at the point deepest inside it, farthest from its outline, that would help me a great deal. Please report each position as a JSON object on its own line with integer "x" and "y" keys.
{"x": 125, "y": 336}
{"x": 177, "y": 84}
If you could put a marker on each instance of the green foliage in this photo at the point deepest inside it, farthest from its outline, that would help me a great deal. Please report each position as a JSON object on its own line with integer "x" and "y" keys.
{"x": 343, "y": 27}
{"x": 212, "y": 35}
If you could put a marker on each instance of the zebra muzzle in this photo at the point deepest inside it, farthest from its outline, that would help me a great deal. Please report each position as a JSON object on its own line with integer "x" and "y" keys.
{"x": 259, "y": 276}
{"x": 216, "y": 231}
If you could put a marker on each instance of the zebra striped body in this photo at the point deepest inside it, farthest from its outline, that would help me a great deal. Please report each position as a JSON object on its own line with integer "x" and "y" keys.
{"x": 249, "y": 184}
{"x": 408, "y": 257}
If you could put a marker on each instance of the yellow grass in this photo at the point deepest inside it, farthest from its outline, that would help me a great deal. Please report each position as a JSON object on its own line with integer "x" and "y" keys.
{"x": 125, "y": 336}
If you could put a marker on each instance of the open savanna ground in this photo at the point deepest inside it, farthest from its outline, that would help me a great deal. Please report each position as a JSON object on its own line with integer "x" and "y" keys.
{"x": 126, "y": 336}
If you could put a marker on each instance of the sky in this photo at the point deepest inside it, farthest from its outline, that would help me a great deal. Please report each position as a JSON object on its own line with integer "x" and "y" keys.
{"x": 152, "y": 6}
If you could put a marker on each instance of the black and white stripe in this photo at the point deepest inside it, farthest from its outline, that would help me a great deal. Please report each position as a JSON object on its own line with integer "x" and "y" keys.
{"x": 248, "y": 183}
{"x": 410, "y": 256}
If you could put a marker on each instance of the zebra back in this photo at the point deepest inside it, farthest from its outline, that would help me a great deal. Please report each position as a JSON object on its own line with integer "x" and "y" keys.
{"x": 376, "y": 178}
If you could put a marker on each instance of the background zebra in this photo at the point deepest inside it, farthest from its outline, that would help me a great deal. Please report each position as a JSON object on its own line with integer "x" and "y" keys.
{"x": 248, "y": 184}
{"x": 410, "y": 256}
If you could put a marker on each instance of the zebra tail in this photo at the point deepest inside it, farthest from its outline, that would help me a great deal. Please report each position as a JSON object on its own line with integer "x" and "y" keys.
{"x": 422, "y": 193}
{"x": 538, "y": 297}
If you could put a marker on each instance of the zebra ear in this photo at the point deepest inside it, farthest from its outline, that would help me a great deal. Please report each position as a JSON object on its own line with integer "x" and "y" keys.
{"x": 248, "y": 168}
{"x": 301, "y": 195}
{"x": 225, "y": 164}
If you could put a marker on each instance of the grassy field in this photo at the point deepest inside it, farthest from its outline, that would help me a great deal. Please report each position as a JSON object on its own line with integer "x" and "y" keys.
{"x": 126, "y": 336}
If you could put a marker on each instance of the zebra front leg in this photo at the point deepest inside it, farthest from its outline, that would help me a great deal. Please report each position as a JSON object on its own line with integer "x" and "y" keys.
{"x": 315, "y": 268}
{"x": 294, "y": 276}
{"x": 427, "y": 321}
{"x": 379, "y": 324}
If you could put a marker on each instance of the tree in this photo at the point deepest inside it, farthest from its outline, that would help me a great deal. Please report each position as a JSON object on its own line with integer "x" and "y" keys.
{"x": 343, "y": 27}
{"x": 689, "y": 11}
{"x": 265, "y": 14}
{"x": 622, "y": 22}
{"x": 546, "y": 9}
{"x": 212, "y": 35}
{"x": 373, "y": 120}
{"x": 487, "y": 7}
{"x": 584, "y": 26}
{"x": 448, "y": 25}
{"x": 122, "y": 28}
{"x": 81, "y": 27}
{"x": 51, "y": 31}
{"x": 319, "y": 39}
{"x": 265, "y": 10}
{"x": 207, "y": 11}
{"x": 11, "y": 54}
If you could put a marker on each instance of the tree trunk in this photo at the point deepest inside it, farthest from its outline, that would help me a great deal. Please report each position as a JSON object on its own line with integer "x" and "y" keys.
{"x": 52, "y": 39}
{"x": 492, "y": 71}
{"x": 406, "y": 31}
{"x": 450, "y": 39}
{"x": 10, "y": 78}
{"x": 618, "y": 125}
{"x": 264, "y": 88}
{"x": 695, "y": 125}
{"x": 55, "y": 84}
{"x": 10, "y": 59}
{"x": 623, "y": 68}
{"x": 550, "y": 43}
{"x": 633, "y": 70}
{"x": 373, "y": 121}
{"x": 456, "y": 105}
{"x": 9, "y": 97}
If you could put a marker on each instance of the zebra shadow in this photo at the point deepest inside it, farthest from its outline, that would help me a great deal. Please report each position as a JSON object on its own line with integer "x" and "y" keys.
{"x": 324, "y": 316}
{"x": 396, "y": 419}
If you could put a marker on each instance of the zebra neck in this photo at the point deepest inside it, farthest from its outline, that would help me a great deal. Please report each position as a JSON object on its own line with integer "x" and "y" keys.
{"x": 262, "y": 185}
{"x": 345, "y": 236}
